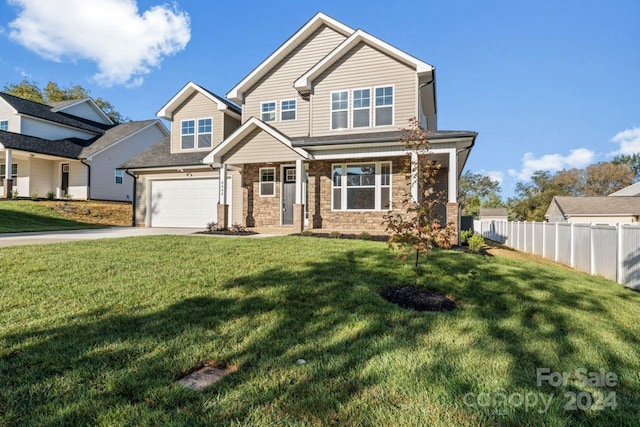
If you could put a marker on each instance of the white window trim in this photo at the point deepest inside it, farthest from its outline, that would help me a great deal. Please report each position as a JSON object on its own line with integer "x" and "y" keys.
{"x": 204, "y": 133}
{"x": 196, "y": 134}
{"x": 275, "y": 111}
{"x": 116, "y": 176}
{"x": 14, "y": 177}
{"x": 7, "y": 123}
{"x": 295, "y": 110}
{"x": 378, "y": 187}
{"x": 353, "y": 109}
{"x": 348, "y": 109}
{"x": 374, "y": 106}
{"x": 273, "y": 182}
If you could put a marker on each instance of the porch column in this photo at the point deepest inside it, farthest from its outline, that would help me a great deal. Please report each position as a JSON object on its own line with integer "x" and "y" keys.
{"x": 8, "y": 182}
{"x": 453, "y": 208}
{"x": 298, "y": 206}
{"x": 415, "y": 190}
{"x": 223, "y": 206}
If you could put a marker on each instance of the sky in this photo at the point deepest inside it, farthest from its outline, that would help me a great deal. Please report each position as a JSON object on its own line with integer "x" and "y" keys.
{"x": 546, "y": 84}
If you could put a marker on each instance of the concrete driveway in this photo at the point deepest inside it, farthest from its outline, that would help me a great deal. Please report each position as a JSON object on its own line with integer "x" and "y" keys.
{"x": 42, "y": 237}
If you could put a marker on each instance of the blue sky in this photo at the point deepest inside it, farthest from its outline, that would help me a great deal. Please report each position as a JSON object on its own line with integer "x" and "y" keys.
{"x": 546, "y": 84}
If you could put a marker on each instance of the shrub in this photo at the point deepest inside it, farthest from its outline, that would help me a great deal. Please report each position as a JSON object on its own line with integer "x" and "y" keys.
{"x": 51, "y": 195}
{"x": 238, "y": 228}
{"x": 465, "y": 235}
{"x": 68, "y": 196}
{"x": 212, "y": 226}
{"x": 364, "y": 236}
{"x": 34, "y": 196}
{"x": 476, "y": 242}
{"x": 13, "y": 194}
{"x": 335, "y": 234}
{"x": 307, "y": 233}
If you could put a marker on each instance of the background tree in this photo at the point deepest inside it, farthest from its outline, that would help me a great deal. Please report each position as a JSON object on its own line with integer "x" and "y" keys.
{"x": 54, "y": 93}
{"x": 475, "y": 191}
{"x": 605, "y": 178}
{"x": 533, "y": 198}
{"x": 417, "y": 230}
{"x": 633, "y": 160}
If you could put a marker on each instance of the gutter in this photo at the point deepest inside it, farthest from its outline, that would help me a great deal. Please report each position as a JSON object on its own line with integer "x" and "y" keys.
{"x": 88, "y": 178}
{"x": 133, "y": 199}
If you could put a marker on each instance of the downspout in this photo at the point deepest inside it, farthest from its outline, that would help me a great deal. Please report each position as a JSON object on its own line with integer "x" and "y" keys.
{"x": 88, "y": 178}
{"x": 133, "y": 205}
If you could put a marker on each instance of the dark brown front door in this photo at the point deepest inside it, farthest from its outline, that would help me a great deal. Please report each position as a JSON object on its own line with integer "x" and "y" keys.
{"x": 64, "y": 186}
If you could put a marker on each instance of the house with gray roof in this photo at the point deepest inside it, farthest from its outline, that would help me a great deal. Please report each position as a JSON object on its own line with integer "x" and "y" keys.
{"x": 609, "y": 210}
{"x": 68, "y": 149}
{"x": 492, "y": 214}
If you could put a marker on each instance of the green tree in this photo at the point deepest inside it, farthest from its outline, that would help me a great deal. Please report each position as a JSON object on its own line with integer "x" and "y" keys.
{"x": 605, "y": 178}
{"x": 476, "y": 190}
{"x": 54, "y": 93}
{"x": 633, "y": 160}
{"x": 533, "y": 198}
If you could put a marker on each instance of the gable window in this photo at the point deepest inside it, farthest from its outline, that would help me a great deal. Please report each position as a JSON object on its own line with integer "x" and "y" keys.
{"x": 288, "y": 110}
{"x": 268, "y": 111}
{"x": 340, "y": 110}
{"x": 267, "y": 182}
{"x": 3, "y": 171}
{"x": 204, "y": 133}
{"x": 361, "y": 186}
{"x": 384, "y": 106}
{"x": 187, "y": 134}
{"x": 361, "y": 108}
{"x": 4, "y": 125}
{"x": 118, "y": 176}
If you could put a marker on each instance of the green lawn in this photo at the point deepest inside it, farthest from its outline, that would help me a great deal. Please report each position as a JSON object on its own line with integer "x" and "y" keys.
{"x": 95, "y": 333}
{"x": 26, "y": 215}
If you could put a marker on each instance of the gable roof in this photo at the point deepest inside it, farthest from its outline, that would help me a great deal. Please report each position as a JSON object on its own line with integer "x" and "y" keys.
{"x": 249, "y": 126}
{"x": 424, "y": 70}
{"x": 118, "y": 133}
{"x": 159, "y": 155}
{"x": 67, "y": 148}
{"x": 596, "y": 206}
{"x": 237, "y": 92}
{"x": 44, "y": 111}
{"x": 166, "y": 112}
{"x": 631, "y": 190}
{"x": 493, "y": 212}
{"x": 59, "y": 106}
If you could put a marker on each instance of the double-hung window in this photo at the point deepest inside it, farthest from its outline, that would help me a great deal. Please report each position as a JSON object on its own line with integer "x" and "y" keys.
{"x": 3, "y": 172}
{"x": 268, "y": 111}
{"x": 267, "y": 182}
{"x": 188, "y": 134}
{"x": 288, "y": 110}
{"x": 118, "y": 176}
{"x": 384, "y": 106}
{"x": 361, "y": 108}
{"x": 4, "y": 125}
{"x": 340, "y": 110}
{"x": 361, "y": 186}
{"x": 204, "y": 133}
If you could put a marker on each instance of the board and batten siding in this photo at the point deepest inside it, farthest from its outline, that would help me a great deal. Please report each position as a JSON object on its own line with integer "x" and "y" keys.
{"x": 277, "y": 84}
{"x": 48, "y": 130}
{"x": 197, "y": 106}
{"x": 365, "y": 67}
{"x": 259, "y": 147}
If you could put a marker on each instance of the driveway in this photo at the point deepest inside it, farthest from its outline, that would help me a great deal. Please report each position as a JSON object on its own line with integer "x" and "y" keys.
{"x": 42, "y": 237}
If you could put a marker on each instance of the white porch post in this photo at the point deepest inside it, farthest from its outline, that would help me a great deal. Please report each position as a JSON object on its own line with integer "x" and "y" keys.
{"x": 223, "y": 207}
{"x": 299, "y": 178}
{"x": 453, "y": 177}
{"x": 8, "y": 182}
{"x": 298, "y": 207}
{"x": 414, "y": 176}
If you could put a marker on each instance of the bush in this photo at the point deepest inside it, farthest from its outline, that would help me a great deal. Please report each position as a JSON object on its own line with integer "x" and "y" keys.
{"x": 51, "y": 195}
{"x": 465, "y": 235}
{"x": 307, "y": 233}
{"x": 364, "y": 236}
{"x": 238, "y": 228}
{"x": 13, "y": 194}
{"x": 68, "y": 196}
{"x": 34, "y": 196}
{"x": 212, "y": 226}
{"x": 335, "y": 234}
{"x": 476, "y": 242}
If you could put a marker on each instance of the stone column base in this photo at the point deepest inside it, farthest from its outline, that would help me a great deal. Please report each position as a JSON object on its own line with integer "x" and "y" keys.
{"x": 298, "y": 218}
{"x": 223, "y": 217}
{"x": 453, "y": 216}
{"x": 8, "y": 187}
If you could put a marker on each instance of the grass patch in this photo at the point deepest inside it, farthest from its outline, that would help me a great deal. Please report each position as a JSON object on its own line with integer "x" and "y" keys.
{"x": 25, "y": 215}
{"x": 97, "y": 333}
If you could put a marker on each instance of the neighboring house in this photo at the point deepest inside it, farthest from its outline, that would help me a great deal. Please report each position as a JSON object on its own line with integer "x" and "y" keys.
{"x": 317, "y": 143}
{"x": 631, "y": 190}
{"x": 594, "y": 210}
{"x": 69, "y": 149}
{"x": 493, "y": 214}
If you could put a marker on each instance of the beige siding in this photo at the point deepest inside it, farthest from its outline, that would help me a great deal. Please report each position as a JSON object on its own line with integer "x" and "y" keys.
{"x": 258, "y": 147}
{"x": 365, "y": 67}
{"x": 7, "y": 113}
{"x": 196, "y": 107}
{"x": 230, "y": 125}
{"x": 40, "y": 179}
{"x": 277, "y": 85}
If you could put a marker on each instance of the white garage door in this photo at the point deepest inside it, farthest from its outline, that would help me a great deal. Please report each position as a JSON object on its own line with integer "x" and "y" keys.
{"x": 185, "y": 202}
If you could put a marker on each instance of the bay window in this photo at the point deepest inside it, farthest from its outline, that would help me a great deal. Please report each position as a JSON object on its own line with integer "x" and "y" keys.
{"x": 361, "y": 186}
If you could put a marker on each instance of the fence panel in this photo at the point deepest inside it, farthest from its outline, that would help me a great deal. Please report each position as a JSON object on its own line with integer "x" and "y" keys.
{"x": 563, "y": 248}
{"x": 520, "y": 236}
{"x": 550, "y": 241}
{"x": 582, "y": 247}
{"x": 630, "y": 260}
{"x": 528, "y": 237}
{"x": 537, "y": 238}
{"x": 604, "y": 247}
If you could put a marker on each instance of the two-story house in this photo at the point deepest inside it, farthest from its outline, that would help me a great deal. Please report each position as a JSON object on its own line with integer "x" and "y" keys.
{"x": 68, "y": 149}
{"x": 318, "y": 145}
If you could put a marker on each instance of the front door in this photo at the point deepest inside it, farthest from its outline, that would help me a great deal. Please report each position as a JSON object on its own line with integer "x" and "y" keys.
{"x": 64, "y": 186}
{"x": 288, "y": 194}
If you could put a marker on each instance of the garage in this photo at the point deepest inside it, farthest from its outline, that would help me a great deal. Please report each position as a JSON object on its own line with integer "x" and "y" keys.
{"x": 184, "y": 202}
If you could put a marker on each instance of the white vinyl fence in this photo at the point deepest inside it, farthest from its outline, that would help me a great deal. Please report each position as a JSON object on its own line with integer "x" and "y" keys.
{"x": 605, "y": 250}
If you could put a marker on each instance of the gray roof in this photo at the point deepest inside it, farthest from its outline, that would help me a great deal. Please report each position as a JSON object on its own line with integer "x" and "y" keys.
{"x": 43, "y": 111}
{"x": 376, "y": 137}
{"x": 493, "y": 212}
{"x": 159, "y": 155}
{"x": 609, "y": 205}
{"x": 68, "y": 148}
{"x": 113, "y": 135}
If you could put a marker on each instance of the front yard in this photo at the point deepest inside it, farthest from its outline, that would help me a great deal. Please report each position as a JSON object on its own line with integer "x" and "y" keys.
{"x": 97, "y": 332}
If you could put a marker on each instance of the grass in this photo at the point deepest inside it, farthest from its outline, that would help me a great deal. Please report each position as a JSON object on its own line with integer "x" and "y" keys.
{"x": 26, "y": 215}
{"x": 88, "y": 336}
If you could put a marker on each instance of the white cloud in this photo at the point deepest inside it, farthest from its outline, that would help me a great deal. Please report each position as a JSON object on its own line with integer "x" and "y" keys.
{"x": 577, "y": 158}
{"x": 629, "y": 141}
{"x": 494, "y": 175}
{"x": 124, "y": 44}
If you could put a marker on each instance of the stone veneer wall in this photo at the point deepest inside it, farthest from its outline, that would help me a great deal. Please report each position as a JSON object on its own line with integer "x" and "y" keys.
{"x": 259, "y": 211}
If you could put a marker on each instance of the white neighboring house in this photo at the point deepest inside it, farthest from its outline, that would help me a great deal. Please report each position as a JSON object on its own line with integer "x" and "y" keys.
{"x": 68, "y": 149}
{"x": 493, "y": 214}
{"x": 595, "y": 210}
{"x": 632, "y": 190}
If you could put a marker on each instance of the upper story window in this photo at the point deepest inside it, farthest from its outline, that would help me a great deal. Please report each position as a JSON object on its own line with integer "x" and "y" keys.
{"x": 202, "y": 133}
{"x": 4, "y": 125}
{"x": 205, "y": 135}
{"x": 268, "y": 111}
{"x": 118, "y": 176}
{"x": 361, "y": 108}
{"x": 384, "y": 106}
{"x": 288, "y": 110}
{"x": 187, "y": 134}
{"x": 340, "y": 110}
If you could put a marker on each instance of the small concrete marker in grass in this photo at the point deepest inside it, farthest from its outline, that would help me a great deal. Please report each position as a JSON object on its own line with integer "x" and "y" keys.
{"x": 301, "y": 361}
{"x": 205, "y": 376}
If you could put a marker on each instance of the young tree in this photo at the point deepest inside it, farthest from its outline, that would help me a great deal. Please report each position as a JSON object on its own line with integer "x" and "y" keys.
{"x": 416, "y": 230}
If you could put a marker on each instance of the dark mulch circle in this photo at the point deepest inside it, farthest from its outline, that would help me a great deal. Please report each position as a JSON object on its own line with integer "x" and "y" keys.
{"x": 417, "y": 299}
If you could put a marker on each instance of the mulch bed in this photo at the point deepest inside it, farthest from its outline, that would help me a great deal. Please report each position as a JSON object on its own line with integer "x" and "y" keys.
{"x": 229, "y": 232}
{"x": 417, "y": 299}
